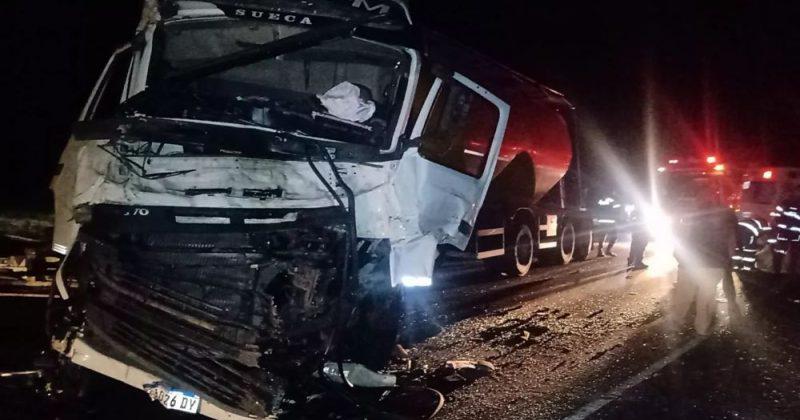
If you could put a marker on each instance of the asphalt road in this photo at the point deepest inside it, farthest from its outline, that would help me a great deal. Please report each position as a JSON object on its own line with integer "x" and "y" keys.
{"x": 586, "y": 340}
{"x": 590, "y": 340}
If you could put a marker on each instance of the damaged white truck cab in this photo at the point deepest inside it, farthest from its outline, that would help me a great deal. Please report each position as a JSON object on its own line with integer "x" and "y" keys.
{"x": 251, "y": 183}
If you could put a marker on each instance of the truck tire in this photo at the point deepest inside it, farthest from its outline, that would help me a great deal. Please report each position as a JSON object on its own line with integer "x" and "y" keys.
{"x": 566, "y": 244}
{"x": 583, "y": 242}
{"x": 520, "y": 247}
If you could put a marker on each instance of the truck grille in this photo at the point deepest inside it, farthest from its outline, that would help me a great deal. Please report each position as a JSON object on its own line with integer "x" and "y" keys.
{"x": 227, "y": 311}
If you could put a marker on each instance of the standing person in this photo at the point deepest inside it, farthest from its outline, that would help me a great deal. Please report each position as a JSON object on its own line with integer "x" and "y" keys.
{"x": 786, "y": 252}
{"x": 639, "y": 240}
{"x": 706, "y": 239}
{"x": 608, "y": 218}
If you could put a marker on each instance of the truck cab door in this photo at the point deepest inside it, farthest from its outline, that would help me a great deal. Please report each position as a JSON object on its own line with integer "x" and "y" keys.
{"x": 460, "y": 130}
{"x": 109, "y": 91}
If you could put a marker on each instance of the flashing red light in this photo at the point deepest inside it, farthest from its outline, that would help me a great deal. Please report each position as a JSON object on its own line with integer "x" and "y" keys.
{"x": 719, "y": 167}
{"x": 711, "y": 159}
{"x": 767, "y": 175}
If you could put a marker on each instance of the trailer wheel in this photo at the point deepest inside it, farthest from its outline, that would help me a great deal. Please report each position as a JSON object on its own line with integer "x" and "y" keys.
{"x": 566, "y": 244}
{"x": 520, "y": 247}
{"x": 583, "y": 243}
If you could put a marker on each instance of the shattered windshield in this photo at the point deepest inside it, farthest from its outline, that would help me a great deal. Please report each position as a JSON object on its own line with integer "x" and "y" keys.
{"x": 343, "y": 89}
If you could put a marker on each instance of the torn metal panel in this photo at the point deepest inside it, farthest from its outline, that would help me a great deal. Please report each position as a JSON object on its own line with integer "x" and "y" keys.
{"x": 65, "y": 228}
{"x": 228, "y": 312}
{"x": 401, "y": 201}
{"x": 441, "y": 201}
{"x": 434, "y": 200}
{"x": 92, "y": 176}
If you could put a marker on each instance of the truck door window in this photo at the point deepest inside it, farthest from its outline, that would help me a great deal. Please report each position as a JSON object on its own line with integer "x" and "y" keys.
{"x": 109, "y": 92}
{"x": 460, "y": 129}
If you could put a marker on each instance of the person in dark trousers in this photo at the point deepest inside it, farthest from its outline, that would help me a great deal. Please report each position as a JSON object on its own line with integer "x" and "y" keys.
{"x": 786, "y": 252}
{"x": 608, "y": 212}
{"x": 639, "y": 240}
{"x": 706, "y": 239}
{"x": 608, "y": 232}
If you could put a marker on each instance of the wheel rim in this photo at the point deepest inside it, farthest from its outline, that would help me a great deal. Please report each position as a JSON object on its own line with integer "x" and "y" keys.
{"x": 523, "y": 249}
{"x": 567, "y": 242}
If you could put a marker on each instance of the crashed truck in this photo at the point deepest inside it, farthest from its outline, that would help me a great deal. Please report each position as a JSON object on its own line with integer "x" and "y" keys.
{"x": 252, "y": 184}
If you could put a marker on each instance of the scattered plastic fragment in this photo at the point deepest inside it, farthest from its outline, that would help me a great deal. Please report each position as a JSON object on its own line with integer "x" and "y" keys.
{"x": 358, "y": 375}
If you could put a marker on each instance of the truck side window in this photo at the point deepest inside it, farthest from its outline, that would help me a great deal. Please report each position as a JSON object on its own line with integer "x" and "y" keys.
{"x": 460, "y": 129}
{"x": 109, "y": 92}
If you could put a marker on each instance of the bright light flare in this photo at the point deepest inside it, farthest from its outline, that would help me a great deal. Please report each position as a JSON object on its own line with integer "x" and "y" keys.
{"x": 711, "y": 159}
{"x": 662, "y": 244}
{"x": 719, "y": 167}
{"x": 767, "y": 175}
{"x": 659, "y": 225}
{"x": 673, "y": 161}
{"x": 662, "y": 169}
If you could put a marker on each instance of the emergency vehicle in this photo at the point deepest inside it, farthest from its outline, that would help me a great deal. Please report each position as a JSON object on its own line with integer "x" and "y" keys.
{"x": 769, "y": 220}
{"x": 710, "y": 168}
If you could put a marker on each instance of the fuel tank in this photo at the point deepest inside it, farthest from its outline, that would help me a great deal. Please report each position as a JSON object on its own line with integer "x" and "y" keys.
{"x": 537, "y": 147}
{"x": 537, "y": 137}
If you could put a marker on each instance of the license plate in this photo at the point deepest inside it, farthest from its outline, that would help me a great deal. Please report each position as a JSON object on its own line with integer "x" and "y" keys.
{"x": 173, "y": 399}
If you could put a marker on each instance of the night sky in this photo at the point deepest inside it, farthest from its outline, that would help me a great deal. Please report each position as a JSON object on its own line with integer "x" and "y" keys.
{"x": 719, "y": 73}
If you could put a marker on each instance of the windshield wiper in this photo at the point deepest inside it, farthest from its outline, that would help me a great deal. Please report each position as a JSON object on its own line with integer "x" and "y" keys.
{"x": 270, "y": 50}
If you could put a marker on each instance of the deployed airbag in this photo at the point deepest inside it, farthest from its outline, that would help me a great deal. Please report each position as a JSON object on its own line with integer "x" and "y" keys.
{"x": 345, "y": 101}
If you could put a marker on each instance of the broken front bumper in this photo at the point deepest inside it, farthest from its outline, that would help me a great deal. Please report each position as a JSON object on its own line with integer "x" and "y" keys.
{"x": 229, "y": 304}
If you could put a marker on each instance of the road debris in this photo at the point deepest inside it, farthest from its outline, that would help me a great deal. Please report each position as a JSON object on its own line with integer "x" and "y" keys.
{"x": 455, "y": 374}
{"x": 400, "y": 353}
{"x": 479, "y": 365}
{"x": 594, "y": 314}
{"x": 357, "y": 375}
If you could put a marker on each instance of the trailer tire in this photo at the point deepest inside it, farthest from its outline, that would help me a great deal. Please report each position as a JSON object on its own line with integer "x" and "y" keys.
{"x": 566, "y": 244}
{"x": 583, "y": 242}
{"x": 520, "y": 248}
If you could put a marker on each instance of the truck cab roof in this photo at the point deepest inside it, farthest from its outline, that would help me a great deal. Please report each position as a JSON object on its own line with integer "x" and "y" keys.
{"x": 304, "y": 13}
